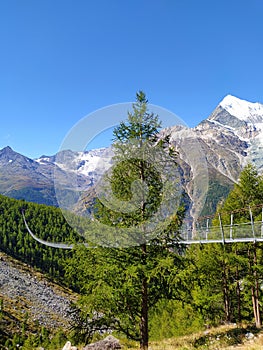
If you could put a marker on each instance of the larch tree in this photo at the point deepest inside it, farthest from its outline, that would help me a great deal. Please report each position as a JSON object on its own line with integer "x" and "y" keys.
{"x": 245, "y": 204}
{"x": 139, "y": 213}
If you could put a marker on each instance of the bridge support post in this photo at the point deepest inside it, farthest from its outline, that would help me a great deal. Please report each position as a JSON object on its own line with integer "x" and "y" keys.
{"x": 221, "y": 228}
{"x": 207, "y": 229}
{"x": 252, "y": 224}
{"x": 231, "y": 225}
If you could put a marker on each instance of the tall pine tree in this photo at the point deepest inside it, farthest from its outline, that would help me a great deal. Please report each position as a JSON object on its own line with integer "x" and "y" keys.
{"x": 129, "y": 278}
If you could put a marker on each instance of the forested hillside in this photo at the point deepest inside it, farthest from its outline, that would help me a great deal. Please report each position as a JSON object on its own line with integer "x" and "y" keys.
{"x": 197, "y": 287}
{"x": 47, "y": 223}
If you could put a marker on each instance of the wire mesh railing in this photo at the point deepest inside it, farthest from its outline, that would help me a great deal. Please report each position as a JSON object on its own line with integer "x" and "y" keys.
{"x": 250, "y": 231}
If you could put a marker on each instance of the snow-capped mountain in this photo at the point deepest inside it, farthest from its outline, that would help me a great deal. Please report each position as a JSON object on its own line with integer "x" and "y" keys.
{"x": 242, "y": 122}
{"x": 243, "y": 110}
{"x": 76, "y": 173}
{"x": 230, "y": 137}
{"x": 213, "y": 153}
{"x": 87, "y": 163}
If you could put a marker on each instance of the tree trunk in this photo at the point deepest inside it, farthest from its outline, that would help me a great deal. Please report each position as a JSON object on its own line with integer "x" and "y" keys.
{"x": 144, "y": 332}
{"x": 257, "y": 308}
{"x": 226, "y": 292}
{"x": 255, "y": 288}
{"x": 226, "y": 298}
{"x": 238, "y": 292}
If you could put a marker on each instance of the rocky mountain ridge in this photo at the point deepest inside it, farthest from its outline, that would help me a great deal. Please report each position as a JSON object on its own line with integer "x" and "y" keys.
{"x": 231, "y": 136}
{"x": 217, "y": 148}
{"x": 33, "y": 179}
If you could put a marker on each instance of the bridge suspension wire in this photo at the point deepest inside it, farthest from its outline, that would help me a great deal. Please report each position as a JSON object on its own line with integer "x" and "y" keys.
{"x": 251, "y": 231}
{"x": 46, "y": 243}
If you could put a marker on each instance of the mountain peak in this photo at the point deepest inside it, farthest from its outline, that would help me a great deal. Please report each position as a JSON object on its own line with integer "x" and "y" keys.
{"x": 244, "y": 110}
{"x": 7, "y": 150}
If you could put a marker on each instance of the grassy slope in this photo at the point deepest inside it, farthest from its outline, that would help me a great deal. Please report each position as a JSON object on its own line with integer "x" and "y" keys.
{"x": 224, "y": 337}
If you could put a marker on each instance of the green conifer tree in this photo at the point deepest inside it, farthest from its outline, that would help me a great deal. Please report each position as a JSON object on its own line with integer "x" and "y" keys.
{"x": 128, "y": 279}
{"x": 244, "y": 201}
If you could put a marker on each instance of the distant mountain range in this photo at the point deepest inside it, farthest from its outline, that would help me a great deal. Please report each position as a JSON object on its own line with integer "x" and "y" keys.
{"x": 211, "y": 155}
{"x": 33, "y": 179}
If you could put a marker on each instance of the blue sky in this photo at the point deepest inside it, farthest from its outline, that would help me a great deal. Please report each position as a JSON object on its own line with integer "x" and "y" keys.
{"x": 63, "y": 59}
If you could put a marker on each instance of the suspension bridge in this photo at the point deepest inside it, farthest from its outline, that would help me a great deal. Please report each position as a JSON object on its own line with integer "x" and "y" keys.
{"x": 204, "y": 232}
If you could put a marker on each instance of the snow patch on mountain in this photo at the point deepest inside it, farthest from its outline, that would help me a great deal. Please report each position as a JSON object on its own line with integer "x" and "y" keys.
{"x": 85, "y": 163}
{"x": 251, "y": 112}
{"x": 89, "y": 162}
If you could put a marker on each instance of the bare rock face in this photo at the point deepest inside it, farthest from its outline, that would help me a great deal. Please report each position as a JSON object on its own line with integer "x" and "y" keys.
{"x": 109, "y": 343}
{"x": 44, "y": 302}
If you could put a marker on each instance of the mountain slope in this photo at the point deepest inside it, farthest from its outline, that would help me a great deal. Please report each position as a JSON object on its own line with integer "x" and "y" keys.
{"x": 216, "y": 149}
{"x": 220, "y": 145}
{"x": 33, "y": 180}
{"x": 30, "y": 301}
{"x": 244, "y": 121}
{"x": 23, "y": 178}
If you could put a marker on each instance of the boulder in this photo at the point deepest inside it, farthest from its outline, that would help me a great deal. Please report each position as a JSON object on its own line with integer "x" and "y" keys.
{"x": 68, "y": 346}
{"x": 109, "y": 343}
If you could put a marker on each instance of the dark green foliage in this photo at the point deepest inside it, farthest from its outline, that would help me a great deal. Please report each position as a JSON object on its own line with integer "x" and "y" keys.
{"x": 47, "y": 223}
{"x": 124, "y": 174}
{"x": 248, "y": 192}
{"x": 232, "y": 338}
{"x": 217, "y": 192}
{"x": 111, "y": 286}
{"x": 141, "y": 125}
{"x": 226, "y": 279}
